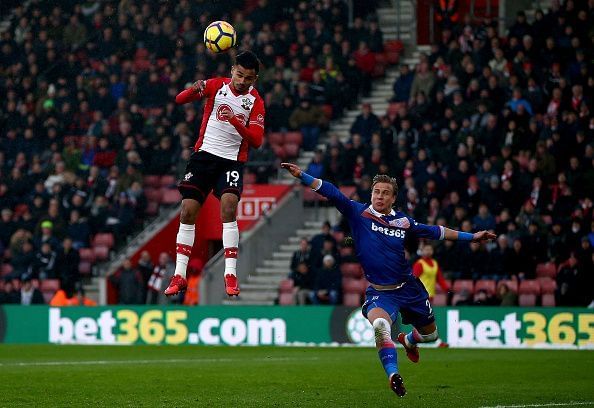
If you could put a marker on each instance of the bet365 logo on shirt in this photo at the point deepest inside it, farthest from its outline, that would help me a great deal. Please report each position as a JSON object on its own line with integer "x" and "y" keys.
{"x": 391, "y": 232}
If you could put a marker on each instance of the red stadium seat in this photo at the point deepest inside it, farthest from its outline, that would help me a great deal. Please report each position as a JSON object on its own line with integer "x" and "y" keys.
{"x": 351, "y": 270}
{"x": 294, "y": 137}
{"x": 170, "y": 196}
{"x": 36, "y": 284}
{"x": 463, "y": 284}
{"x": 527, "y": 299}
{"x": 151, "y": 181}
{"x": 168, "y": 181}
{"x": 351, "y": 300}
{"x": 351, "y": 285}
{"x": 86, "y": 254}
{"x": 291, "y": 150}
{"x": 440, "y": 299}
{"x": 103, "y": 239}
{"x": 548, "y": 269}
{"x": 49, "y": 285}
{"x": 279, "y": 151}
{"x": 511, "y": 284}
{"x": 310, "y": 196}
{"x": 249, "y": 178}
{"x": 548, "y": 299}
{"x": 152, "y": 208}
{"x": 101, "y": 253}
{"x": 487, "y": 285}
{"x": 547, "y": 285}
{"x": 275, "y": 138}
{"x": 84, "y": 268}
{"x": 286, "y": 286}
{"x": 348, "y": 191}
{"x": 153, "y": 194}
{"x": 529, "y": 286}
{"x": 286, "y": 299}
{"x": 393, "y": 45}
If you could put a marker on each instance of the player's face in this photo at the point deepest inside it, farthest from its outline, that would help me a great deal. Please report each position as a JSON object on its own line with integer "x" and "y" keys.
{"x": 242, "y": 78}
{"x": 382, "y": 197}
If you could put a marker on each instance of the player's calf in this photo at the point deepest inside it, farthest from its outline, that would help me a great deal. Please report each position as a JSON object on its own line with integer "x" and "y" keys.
{"x": 386, "y": 349}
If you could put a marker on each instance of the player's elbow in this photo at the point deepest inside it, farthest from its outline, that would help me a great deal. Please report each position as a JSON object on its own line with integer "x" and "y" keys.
{"x": 179, "y": 99}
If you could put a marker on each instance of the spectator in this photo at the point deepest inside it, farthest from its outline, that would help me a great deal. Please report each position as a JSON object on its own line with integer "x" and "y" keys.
{"x": 571, "y": 284}
{"x": 302, "y": 255}
{"x": 159, "y": 279}
{"x": 366, "y": 123}
{"x": 428, "y": 270}
{"x": 328, "y": 283}
{"x": 403, "y": 84}
{"x": 29, "y": 295}
{"x": 44, "y": 265}
{"x": 9, "y": 295}
{"x": 129, "y": 283}
{"x": 71, "y": 295}
{"x": 309, "y": 119}
{"x": 505, "y": 296}
{"x": 302, "y": 283}
{"x": 68, "y": 260}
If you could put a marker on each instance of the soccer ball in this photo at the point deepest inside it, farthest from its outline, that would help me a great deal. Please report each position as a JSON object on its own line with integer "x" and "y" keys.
{"x": 219, "y": 36}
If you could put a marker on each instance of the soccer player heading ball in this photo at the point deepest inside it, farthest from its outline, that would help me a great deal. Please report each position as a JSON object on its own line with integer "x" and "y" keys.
{"x": 379, "y": 233}
{"x": 233, "y": 121}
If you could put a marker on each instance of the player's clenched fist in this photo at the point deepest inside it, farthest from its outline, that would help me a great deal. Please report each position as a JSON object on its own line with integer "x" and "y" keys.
{"x": 198, "y": 87}
{"x": 292, "y": 168}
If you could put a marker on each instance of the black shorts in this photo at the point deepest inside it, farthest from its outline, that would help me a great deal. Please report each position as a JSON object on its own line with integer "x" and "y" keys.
{"x": 206, "y": 172}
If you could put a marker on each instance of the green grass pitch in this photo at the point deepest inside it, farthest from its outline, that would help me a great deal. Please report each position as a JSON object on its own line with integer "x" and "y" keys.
{"x": 146, "y": 376}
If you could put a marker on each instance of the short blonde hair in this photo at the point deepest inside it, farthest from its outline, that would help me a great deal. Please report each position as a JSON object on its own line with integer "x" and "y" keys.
{"x": 384, "y": 178}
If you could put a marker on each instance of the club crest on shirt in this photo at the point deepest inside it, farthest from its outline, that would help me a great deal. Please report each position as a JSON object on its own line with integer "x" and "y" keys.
{"x": 246, "y": 103}
{"x": 400, "y": 223}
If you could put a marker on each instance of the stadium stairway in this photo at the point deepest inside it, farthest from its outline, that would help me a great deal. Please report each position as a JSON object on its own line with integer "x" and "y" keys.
{"x": 262, "y": 285}
{"x": 402, "y": 29}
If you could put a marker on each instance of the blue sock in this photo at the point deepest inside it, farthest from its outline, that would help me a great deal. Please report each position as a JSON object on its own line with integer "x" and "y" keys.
{"x": 412, "y": 339}
{"x": 388, "y": 357}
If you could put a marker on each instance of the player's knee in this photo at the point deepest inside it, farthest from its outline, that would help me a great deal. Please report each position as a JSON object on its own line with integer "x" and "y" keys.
{"x": 188, "y": 213}
{"x": 428, "y": 338}
{"x": 382, "y": 330}
{"x": 228, "y": 212}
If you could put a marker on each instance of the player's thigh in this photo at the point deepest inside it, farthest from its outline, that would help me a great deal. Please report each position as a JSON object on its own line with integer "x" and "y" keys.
{"x": 378, "y": 304}
{"x": 199, "y": 178}
{"x": 415, "y": 307}
{"x": 229, "y": 178}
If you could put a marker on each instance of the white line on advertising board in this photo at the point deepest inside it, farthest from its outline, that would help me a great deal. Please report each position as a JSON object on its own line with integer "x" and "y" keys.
{"x": 552, "y": 404}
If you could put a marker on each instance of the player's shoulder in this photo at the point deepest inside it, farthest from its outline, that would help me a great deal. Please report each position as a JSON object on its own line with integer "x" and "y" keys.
{"x": 254, "y": 92}
{"x": 218, "y": 82}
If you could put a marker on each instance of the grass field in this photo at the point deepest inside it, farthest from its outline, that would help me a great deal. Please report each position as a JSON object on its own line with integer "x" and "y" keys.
{"x": 172, "y": 376}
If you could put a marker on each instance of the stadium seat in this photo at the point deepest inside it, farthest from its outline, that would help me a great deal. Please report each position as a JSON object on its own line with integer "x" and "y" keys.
{"x": 548, "y": 299}
{"x": 511, "y": 284}
{"x": 291, "y": 150}
{"x": 547, "y": 269}
{"x": 440, "y": 299}
{"x": 310, "y": 196}
{"x": 170, "y": 196}
{"x": 151, "y": 181}
{"x": 36, "y": 284}
{"x": 279, "y": 151}
{"x": 294, "y": 137}
{"x": 249, "y": 178}
{"x": 275, "y": 138}
{"x": 463, "y": 284}
{"x": 487, "y": 285}
{"x": 168, "y": 181}
{"x": 351, "y": 285}
{"x": 351, "y": 270}
{"x": 87, "y": 255}
{"x": 286, "y": 299}
{"x": 49, "y": 285}
{"x": 351, "y": 300}
{"x": 438, "y": 288}
{"x": 152, "y": 208}
{"x": 547, "y": 285}
{"x": 84, "y": 268}
{"x": 348, "y": 191}
{"x": 328, "y": 111}
{"x": 153, "y": 194}
{"x": 101, "y": 253}
{"x": 103, "y": 239}
{"x": 529, "y": 286}
{"x": 527, "y": 299}
{"x": 286, "y": 286}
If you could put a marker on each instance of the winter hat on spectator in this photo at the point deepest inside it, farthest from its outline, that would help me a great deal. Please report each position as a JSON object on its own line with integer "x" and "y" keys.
{"x": 47, "y": 224}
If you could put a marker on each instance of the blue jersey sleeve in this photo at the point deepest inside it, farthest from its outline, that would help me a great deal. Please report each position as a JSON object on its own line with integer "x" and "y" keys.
{"x": 426, "y": 231}
{"x": 339, "y": 200}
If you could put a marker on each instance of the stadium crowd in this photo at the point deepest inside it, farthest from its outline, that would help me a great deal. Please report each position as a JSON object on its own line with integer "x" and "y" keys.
{"x": 488, "y": 132}
{"x": 91, "y": 141}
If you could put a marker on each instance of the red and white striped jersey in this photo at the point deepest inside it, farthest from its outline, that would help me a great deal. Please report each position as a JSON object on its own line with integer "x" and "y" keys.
{"x": 219, "y": 137}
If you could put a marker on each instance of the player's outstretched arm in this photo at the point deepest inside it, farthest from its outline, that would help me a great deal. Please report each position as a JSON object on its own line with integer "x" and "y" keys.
{"x": 454, "y": 235}
{"x": 192, "y": 94}
{"x": 325, "y": 188}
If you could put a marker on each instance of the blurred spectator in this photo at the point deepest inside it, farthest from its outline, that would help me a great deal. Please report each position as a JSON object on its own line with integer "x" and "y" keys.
{"x": 68, "y": 260}
{"x": 366, "y": 123}
{"x": 429, "y": 272}
{"x": 302, "y": 255}
{"x": 44, "y": 266}
{"x": 505, "y": 296}
{"x": 9, "y": 295}
{"x": 29, "y": 295}
{"x": 302, "y": 283}
{"x": 309, "y": 119}
{"x": 129, "y": 283}
{"x": 327, "y": 284}
{"x": 71, "y": 295}
{"x": 403, "y": 84}
{"x": 159, "y": 279}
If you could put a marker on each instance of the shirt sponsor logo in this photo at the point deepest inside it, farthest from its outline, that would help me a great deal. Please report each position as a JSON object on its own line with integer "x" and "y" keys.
{"x": 390, "y": 232}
